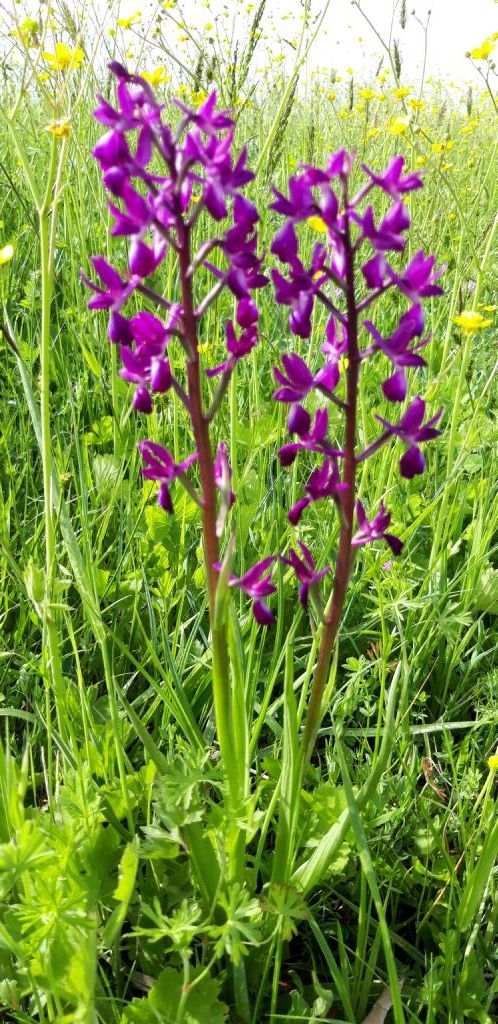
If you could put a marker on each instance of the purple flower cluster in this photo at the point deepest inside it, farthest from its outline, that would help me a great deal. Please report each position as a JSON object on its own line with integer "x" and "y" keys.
{"x": 162, "y": 180}
{"x": 321, "y": 197}
{"x": 156, "y": 213}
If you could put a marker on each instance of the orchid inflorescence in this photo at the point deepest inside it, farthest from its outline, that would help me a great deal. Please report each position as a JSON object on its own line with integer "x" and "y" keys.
{"x": 158, "y": 213}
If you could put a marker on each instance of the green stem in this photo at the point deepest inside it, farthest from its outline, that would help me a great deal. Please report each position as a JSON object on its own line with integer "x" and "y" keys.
{"x": 50, "y": 632}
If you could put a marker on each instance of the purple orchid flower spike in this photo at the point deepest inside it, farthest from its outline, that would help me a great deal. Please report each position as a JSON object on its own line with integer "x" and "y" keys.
{"x": 312, "y": 436}
{"x": 160, "y": 465}
{"x": 418, "y": 279}
{"x": 324, "y": 482}
{"x": 412, "y": 431}
{"x": 375, "y": 530}
{"x": 237, "y": 348}
{"x": 305, "y": 570}
{"x": 300, "y": 381}
{"x": 397, "y": 349}
{"x": 392, "y": 180}
{"x": 300, "y": 204}
{"x": 257, "y": 586}
{"x": 206, "y": 117}
{"x": 115, "y": 291}
{"x": 389, "y": 234}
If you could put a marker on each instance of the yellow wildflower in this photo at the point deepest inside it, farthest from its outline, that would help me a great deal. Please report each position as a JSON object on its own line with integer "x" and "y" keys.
{"x": 367, "y": 94}
{"x": 402, "y": 92}
{"x": 317, "y": 224}
{"x": 331, "y": 96}
{"x": 128, "y": 22}
{"x": 372, "y": 132}
{"x": 421, "y": 160}
{"x": 198, "y": 98}
{"x": 28, "y": 32}
{"x": 483, "y": 51}
{"x": 6, "y": 253}
{"x": 157, "y": 76}
{"x": 493, "y": 762}
{"x": 471, "y": 321}
{"x": 169, "y": 4}
{"x": 416, "y": 104}
{"x": 64, "y": 57}
{"x": 61, "y": 128}
{"x": 442, "y": 147}
{"x": 398, "y": 125}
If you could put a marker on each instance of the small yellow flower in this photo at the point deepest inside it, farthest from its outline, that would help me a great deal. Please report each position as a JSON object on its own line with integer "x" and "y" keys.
{"x": 471, "y": 321}
{"x": 442, "y": 147}
{"x": 367, "y": 94}
{"x": 402, "y": 92}
{"x": 416, "y": 104}
{"x": 169, "y": 4}
{"x": 493, "y": 762}
{"x": 372, "y": 133}
{"x": 64, "y": 57}
{"x": 61, "y": 128}
{"x": 483, "y": 51}
{"x": 317, "y": 224}
{"x": 198, "y": 98}
{"x": 398, "y": 125}
{"x": 28, "y": 32}
{"x": 128, "y": 22}
{"x": 156, "y": 77}
{"x": 6, "y": 254}
{"x": 331, "y": 96}
{"x": 421, "y": 160}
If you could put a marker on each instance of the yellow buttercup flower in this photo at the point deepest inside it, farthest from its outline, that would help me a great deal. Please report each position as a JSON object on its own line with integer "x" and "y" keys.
{"x": 28, "y": 32}
{"x": 198, "y": 98}
{"x": 398, "y": 125}
{"x": 157, "y": 76}
{"x": 169, "y": 4}
{"x": 485, "y": 50}
{"x": 128, "y": 22}
{"x": 331, "y": 96}
{"x": 493, "y": 762}
{"x": 442, "y": 147}
{"x": 60, "y": 128}
{"x": 471, "y": 321}
{"x": 6, "y": 254}
{"x": 64, "y": 57}
{"x": 367, "y": 94}
{"x": 402, "y": 92}
{"x": 416, "y": 104}
{"x": 317, "y": 224}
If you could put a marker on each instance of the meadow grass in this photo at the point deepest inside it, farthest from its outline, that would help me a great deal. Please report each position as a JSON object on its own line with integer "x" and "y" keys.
{"x": 109, "y": 770}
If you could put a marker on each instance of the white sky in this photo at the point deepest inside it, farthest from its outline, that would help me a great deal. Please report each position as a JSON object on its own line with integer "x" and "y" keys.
{"x": 455, "y": 27}
{"x": 346, "y": 40}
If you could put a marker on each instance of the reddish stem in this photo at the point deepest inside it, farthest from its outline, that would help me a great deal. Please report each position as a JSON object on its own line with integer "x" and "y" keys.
{"x": 200, "y": 423}
{"x": 344, "y": 553}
